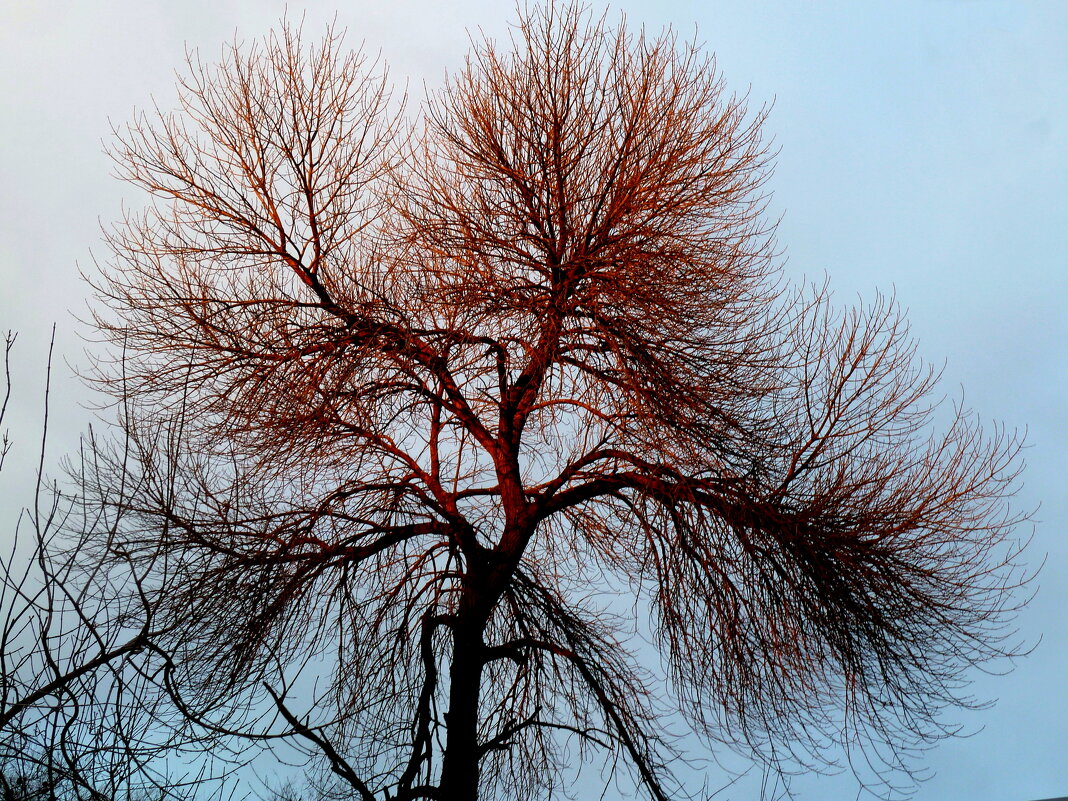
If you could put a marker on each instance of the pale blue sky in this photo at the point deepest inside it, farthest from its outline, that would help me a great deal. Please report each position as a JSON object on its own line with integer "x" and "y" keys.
{"x": 923, "y": 149}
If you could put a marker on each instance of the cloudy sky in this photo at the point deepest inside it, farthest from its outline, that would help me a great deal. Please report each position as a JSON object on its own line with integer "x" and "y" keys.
{"x": 923, "y": 150}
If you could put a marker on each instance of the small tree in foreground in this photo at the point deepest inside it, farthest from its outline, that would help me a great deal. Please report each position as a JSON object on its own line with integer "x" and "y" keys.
{"x": 460, "y": 412}
{"x": 72, "y": 630}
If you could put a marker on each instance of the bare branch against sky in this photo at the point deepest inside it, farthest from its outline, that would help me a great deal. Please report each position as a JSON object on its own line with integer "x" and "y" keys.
{"x": 460, "y": 448}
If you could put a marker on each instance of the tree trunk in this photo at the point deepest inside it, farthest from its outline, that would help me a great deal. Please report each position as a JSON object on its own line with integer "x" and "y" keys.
{"x": 460, "y": 766}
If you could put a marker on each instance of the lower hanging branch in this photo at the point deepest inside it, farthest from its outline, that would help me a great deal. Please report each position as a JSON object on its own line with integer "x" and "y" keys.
{"x": 338, "y": 764}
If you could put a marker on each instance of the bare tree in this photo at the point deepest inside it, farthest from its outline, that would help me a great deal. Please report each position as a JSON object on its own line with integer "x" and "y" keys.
{"x": 80, "y": 712}
{"x": 457, "y": 412}
{"x": 69, "y": 624}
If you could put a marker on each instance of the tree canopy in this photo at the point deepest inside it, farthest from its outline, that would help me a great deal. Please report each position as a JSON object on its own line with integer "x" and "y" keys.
{"x": 472, "y": 412}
